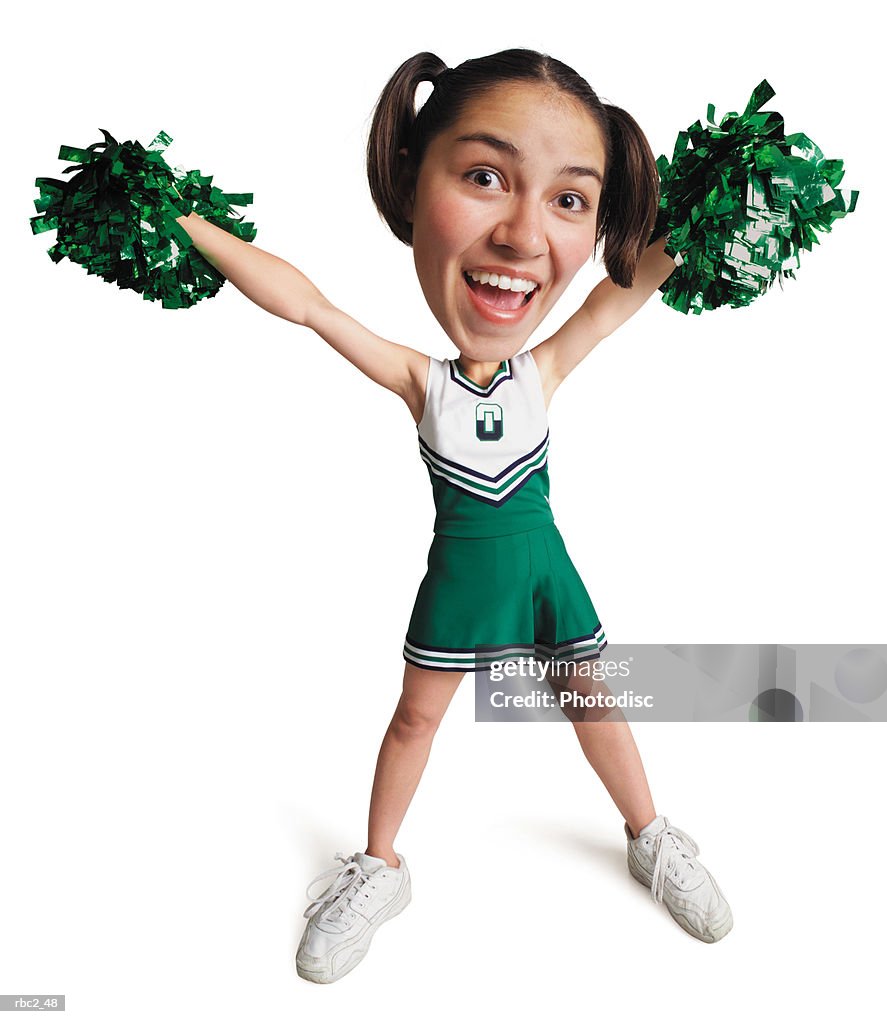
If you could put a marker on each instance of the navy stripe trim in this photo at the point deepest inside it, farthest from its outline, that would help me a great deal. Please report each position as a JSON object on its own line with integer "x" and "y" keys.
{"x": 477, "y": 649}
{"x": 440, "y": 668}
{"x": 476, "y": 389}
{"x": 476, "y": 473}
{"x": 576, "y": 640}
{"x": 492, "y": 648}
{"x": 472, "y": 667}
{"x": 491, "y": 501}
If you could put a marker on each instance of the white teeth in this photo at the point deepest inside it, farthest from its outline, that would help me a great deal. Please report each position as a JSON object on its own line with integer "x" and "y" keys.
{"x": 507, "y": 284}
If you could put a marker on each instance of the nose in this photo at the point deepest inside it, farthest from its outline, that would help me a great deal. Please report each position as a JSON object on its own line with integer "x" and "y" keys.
{"x": 521, "y": 227}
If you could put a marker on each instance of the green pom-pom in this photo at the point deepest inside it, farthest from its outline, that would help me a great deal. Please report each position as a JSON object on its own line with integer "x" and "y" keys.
{"x": 117, "y": 218}
{"x": 740, "y": 200}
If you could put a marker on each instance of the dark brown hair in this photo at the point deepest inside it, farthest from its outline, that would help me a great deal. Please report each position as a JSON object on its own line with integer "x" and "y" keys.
{"x": 630, "y": 196}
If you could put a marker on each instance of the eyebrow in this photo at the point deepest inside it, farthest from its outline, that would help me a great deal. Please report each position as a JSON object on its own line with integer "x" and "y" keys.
{"x": 509, "y": 147}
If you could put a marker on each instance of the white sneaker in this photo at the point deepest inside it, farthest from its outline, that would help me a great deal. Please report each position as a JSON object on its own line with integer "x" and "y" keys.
{"x": 663, "y": 858}
{"x": 365, "y": 893}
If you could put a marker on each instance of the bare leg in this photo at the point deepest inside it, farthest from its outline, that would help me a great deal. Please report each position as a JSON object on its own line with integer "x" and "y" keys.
{"x": 611, "y": 751}
{"x": 608, "y": 745}
{"x": 404, "y": 753}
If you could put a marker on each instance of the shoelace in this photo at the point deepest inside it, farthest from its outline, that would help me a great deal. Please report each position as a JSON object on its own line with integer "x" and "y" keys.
{"x": 347, "y": 881}
{"x": 674, "y": 844}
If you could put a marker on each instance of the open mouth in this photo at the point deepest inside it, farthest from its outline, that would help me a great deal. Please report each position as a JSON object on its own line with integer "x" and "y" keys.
{"x": 492, "y": 294}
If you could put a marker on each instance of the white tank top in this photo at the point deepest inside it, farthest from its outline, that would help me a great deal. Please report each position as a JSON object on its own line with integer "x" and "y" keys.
{"x": 486, "y": 449}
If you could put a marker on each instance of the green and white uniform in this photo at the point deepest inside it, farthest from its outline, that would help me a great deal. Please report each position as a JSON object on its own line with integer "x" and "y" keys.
{"x": 500, "y": 583}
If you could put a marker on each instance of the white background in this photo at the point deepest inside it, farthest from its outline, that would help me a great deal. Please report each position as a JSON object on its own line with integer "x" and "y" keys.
{"x": 213, "y": 528}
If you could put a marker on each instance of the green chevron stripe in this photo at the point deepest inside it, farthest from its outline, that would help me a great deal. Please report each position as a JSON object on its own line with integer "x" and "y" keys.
{"x": 504, "y": 486}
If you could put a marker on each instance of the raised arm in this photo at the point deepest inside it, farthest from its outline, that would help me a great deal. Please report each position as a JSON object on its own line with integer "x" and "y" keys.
{"x": 607, "y": 307}
{"x": 281, "y": 289}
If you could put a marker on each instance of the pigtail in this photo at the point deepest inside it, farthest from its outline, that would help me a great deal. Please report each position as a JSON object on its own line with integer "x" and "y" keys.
{"x": 630, "y": 198}
{"x": 391, "y": 176}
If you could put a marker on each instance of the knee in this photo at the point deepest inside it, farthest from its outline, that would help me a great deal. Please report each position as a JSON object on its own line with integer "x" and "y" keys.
{"x": 413, "y": 720}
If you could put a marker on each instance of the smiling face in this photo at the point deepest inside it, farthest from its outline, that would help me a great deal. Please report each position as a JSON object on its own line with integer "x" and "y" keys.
{"x": 511, "y": 190}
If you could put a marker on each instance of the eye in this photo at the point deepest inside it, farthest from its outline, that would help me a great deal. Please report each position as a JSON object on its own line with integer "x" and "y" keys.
{"x": 578, "y": 203}
{"x": 483, "y": 178}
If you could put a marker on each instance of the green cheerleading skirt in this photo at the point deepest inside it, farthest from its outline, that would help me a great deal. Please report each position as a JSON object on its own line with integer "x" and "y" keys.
{"x": 486, "y": 599}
